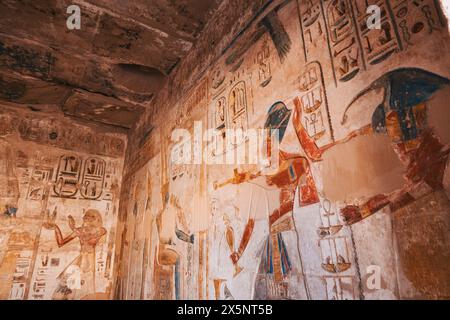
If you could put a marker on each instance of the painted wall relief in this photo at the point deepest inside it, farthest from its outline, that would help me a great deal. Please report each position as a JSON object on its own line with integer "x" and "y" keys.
{"x": 275, "y": 266}
{"x": 402, "y": 115}
{"x": 357, "y": 173}
{"x": 230, "y": 110}
{"x": 341, "y": 26}
{"x": 412, "y": 88}
{"x": 58, "y": 214}
{"x": 167, "y": 258}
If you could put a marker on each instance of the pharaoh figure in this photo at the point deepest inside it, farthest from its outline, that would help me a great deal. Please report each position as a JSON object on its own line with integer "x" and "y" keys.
{"x": 77, "y": 280}
{"x": 402, "y": 116}
{"x": 276, "y": 279}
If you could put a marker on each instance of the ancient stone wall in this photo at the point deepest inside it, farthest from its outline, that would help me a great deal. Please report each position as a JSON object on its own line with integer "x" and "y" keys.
{"x": 361, "y": 184}
{"x": 59, "y": 197}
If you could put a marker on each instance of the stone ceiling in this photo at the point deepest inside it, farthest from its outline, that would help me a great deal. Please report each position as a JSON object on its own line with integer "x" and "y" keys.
{"x": 107, "y": 71}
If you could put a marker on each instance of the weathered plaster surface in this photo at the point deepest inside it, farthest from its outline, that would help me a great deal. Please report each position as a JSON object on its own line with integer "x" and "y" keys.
{"x": 120, "y": 45}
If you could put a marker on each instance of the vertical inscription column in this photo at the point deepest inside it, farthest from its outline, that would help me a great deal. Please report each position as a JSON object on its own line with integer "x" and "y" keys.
{"x": 343, "y": 40}
{"x": 377, "y": 44}
{"x": 315, "y": 113}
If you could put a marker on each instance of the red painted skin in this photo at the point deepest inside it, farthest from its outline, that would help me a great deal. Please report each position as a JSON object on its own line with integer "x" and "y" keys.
{"x": 425, "y": 161}
{"x": 299, "y": 165}
{"x": 425, "y": 165}
{"x": 292, "y": 168}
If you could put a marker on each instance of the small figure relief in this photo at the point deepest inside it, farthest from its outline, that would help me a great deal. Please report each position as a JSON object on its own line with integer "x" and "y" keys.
{"x": 415, "y": 19}
{"x": 314, "y": 104}
{"x": 93, "y": 178}
{"x": 116, "y": 145}
{"x": 68, "y": 176}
